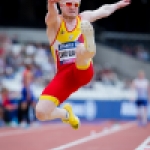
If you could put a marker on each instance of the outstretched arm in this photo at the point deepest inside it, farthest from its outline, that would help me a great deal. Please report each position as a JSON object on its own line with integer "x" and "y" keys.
{"x": 104, "y": 11}
{"x": 52, "y": 15}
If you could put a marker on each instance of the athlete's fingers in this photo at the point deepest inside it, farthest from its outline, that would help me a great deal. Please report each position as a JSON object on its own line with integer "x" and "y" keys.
{"x": 123, "y": 3}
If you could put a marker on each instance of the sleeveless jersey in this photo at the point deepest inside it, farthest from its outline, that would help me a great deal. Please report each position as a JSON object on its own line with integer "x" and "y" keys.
{"x": 65, "y": 43}
{"x": 142, "y": 86}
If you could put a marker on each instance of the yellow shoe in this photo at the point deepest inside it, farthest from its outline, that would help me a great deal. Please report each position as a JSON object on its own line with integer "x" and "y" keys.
{"x": 72, "y": 120}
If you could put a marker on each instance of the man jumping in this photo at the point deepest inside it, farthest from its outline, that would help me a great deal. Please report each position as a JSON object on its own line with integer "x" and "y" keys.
{"x": 71, "y": 38}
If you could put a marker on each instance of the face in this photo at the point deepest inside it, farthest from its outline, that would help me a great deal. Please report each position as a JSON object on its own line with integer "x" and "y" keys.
{"x": 70, "y": 8}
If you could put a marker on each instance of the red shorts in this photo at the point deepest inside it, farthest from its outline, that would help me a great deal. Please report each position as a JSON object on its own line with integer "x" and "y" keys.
{"x": 65, "y": 82}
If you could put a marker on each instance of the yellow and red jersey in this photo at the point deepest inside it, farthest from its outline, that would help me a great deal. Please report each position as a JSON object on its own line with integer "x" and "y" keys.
{"x": 65, "y": 43}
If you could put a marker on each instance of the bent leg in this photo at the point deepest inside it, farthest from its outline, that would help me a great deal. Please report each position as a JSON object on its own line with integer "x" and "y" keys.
{"x": 85, "y": 52}
{"x": 47, "y": 110}
{"x": 54, "y": 94}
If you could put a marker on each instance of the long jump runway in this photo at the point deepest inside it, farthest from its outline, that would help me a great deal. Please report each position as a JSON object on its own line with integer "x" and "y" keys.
{"x": 90, "y": 136}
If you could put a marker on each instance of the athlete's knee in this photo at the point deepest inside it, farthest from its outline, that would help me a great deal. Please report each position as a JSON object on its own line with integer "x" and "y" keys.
{"x": 40, "y": 112}
{"x": 44, "y": 109}
{"x": 83, "y": 56}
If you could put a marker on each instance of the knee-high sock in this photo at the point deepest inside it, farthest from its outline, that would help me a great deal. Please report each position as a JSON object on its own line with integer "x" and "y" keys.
{"x": 58, "y": 113}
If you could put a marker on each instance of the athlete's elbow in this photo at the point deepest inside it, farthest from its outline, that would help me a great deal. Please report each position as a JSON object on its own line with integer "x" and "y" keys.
{"x": 107, "y": 10}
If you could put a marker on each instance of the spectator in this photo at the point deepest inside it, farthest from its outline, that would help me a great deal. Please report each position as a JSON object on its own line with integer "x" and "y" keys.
{"x": 27, "y": 99}
{"x": 142, "y": 87}
{"x": 10, "y": 108}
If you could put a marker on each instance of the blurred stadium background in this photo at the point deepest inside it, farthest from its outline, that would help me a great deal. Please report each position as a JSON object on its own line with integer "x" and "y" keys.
{"x": 123, "y": 48}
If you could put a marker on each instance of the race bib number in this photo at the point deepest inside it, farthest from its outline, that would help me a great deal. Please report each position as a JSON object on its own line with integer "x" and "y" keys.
{"x": 66, "y": 52}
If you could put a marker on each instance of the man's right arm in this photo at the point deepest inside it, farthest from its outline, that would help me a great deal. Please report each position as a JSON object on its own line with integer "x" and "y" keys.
{"x": 52, "y": 16}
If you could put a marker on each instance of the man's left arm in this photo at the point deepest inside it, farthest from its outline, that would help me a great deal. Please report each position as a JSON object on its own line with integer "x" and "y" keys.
{"x": 104, "y": 11}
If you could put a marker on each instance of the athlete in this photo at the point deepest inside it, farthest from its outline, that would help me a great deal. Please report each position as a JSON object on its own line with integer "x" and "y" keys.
{"x": 142, "y": 87}
{"x": 72, "y": 43}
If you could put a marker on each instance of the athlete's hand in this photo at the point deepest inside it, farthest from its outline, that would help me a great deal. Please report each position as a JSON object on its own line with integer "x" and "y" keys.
{"x": 50, "y": 3}
{"x": 123, "y": 3}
